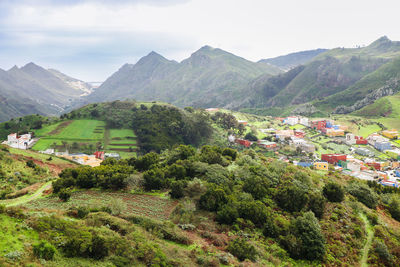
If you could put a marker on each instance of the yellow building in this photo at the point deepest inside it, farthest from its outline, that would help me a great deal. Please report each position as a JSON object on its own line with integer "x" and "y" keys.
{"x": 391, "y": 134}
{"x": 321, "y": 166}
{"x": 333, "y": 132}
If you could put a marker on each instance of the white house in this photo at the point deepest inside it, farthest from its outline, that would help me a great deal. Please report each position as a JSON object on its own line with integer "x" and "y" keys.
{"x": 304, "y": 121}
{"x": 350, "y": 139}
{"x": 293, "y": 120}
{"x": 19, "y": 141}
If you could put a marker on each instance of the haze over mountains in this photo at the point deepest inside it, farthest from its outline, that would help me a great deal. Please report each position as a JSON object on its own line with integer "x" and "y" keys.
{"x": 340, "y": 80}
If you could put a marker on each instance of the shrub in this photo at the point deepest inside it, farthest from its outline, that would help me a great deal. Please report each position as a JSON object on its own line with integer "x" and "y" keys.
{"x": 154, "y": 179}
{"x": 308, "y": 231}
{"x": 177, "y": 189}
{"x": 232, "y": 153}
{"x": 316, "y": 204}
{"x": 292, "y": 197}
{"x": 213, "y": 199}
{"x": 117, "y": 206}
{"x": 250, "y": 136}
{"x": 333, "y": 192}
{"x": 30, "y": 164}
{"x": 242, "y": 249}
{"x": 394, "y": 208}
{"x": 64, "y": 195}
{"x": 364, "y": 194}
{"x": 381, "y": 249}
{"x": 44, "y": 250}
{"x": 228, "y": 214}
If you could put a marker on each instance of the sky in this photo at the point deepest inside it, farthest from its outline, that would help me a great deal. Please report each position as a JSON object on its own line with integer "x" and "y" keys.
{"x": 91, "y": 39}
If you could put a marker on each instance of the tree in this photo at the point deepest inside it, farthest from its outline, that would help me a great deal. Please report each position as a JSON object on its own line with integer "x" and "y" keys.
{"x": 316, "y": 204}
{"x": 213, "y": 199}
{"x": 178, "y": 189}
{"x": 44, "y": 250}
{"x": 292, "y": 197}
{"x": 251, "y": 136}
{"x": 145, "y": 162}
{"x": 311, "y": 242}
{"x": 333, "y": 192}
{"x": 64, "y": 195}
{"x": 242, "y": 249}
{"x": 154, "y": 179}
{"x": 394, "y": 208}
{"x": 228, "y": 214}
{"x": 257, "y": 186}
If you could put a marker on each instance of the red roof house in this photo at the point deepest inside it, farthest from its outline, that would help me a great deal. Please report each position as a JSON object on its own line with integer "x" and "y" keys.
{"x": 99, "y": 155}
{"x": 333, "y": 158}
{"x": 318, "y": 125}
{"x": 243, "y": 142}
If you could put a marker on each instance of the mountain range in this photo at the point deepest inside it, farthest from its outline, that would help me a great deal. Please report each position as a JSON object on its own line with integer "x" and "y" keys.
{"x": 33, "y": 89}
{"x": 320, "y": 81}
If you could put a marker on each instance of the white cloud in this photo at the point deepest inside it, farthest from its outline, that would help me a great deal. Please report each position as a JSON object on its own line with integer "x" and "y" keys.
{"x": 253, "y": 29}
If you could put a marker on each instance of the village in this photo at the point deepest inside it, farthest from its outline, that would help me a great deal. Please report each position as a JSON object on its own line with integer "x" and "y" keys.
{"x": 26, "y": 141}
{"x": 319, "y": 144}
{"x": 375, "y": 157}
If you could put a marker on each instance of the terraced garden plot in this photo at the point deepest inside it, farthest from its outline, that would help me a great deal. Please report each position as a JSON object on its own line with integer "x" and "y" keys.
{"x": 79, "y": 131}
{"x": 142, "y": 205}
{"x": 121, "y": 141}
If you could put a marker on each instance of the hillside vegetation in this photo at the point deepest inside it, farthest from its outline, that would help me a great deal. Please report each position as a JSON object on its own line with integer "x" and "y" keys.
{"x": 205, "y": 207}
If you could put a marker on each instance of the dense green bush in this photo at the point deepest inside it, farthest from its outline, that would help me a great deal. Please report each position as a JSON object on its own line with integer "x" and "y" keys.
{"x": 316, "y": 204}
{"x": 227, "y": 214}
{"x": 364, "y": 194}
{"x": 242, "y": 249}
{"x": 306, "y": 240}
{"x": 44, "y": 250}
{"x": 64, "y": 194}
{"x": 178, "y": 189}
{"x": 333, "y": 192}
{"x": 292, "y": 197}
{"x": 154, "y": 179}
{"x": 213, "y": 199}
{"x": 394, "y": 208}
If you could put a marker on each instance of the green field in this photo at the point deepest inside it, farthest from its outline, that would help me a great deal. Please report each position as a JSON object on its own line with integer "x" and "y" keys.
{"x": 79, "y": 131}
{"x": 121, "y": 141}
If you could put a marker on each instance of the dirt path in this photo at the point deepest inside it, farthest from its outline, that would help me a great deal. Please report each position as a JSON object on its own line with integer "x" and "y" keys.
{"x": 370, "y": 235}
{"x": 26, "y": 198}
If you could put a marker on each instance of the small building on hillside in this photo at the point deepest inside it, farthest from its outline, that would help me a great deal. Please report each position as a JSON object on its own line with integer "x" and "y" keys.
{"x": 212, "y": 109}
{"x": 99, "y": 155}
{"x": 391, "y": 134}
{"x": 304, "y": 121}
{"x": 292, "y": 120}
{"x": 243, "y": 142}
{"x": 242, "y": 122}
{"x": 321, "y": 166}
{"x": 318, "y": 125}
{"x": 282, "y": 134}
{"x": 333, "y": 158}
{"x": 298, "y": 141}
{"x": 374, "y": 138}
{"x": 305, "y": 164}
{"x": 19, "y": 141}
{"x": 353, "y": 166}
{"x": 231, "y": 138}
{"x": 364, "y": 152}
{"x": 112, "y": 155}
{"x": 267, "y": 144}
{"x": 352, "y": 139}
{"x": 299, "y": 133}
{"x": 382, "y": 146}
{"x": 333, "y": 132}
{"x": 307, "y": 147}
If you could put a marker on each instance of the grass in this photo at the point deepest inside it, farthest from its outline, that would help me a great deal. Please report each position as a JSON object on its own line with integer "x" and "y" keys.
{"x": 137, "y": 204}
{"x": 86, "y": 131}
{"x": 38, "y": 156}
{"x": 367, "y": 246}
{"x": 121, "y": 139}
{"x": 46, "y": 129}
{"x": 82, "y": 129}
{"x": 14, "y": 235}
{"x": 122, "y": 133}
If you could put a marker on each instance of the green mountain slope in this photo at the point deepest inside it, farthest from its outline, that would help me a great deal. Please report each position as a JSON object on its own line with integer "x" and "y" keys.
{"x": 293, "y": 60}
{"x": 337, "y": 77}
{"x": 209, "y": 77}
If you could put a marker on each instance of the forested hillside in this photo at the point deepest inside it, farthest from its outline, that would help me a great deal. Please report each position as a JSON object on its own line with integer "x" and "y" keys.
{"x": 205, "y": 207}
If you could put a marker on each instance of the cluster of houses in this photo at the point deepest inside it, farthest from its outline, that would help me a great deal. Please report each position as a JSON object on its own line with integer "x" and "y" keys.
{"x": 84, "y": 159}
{"x": 15, "y": 140}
